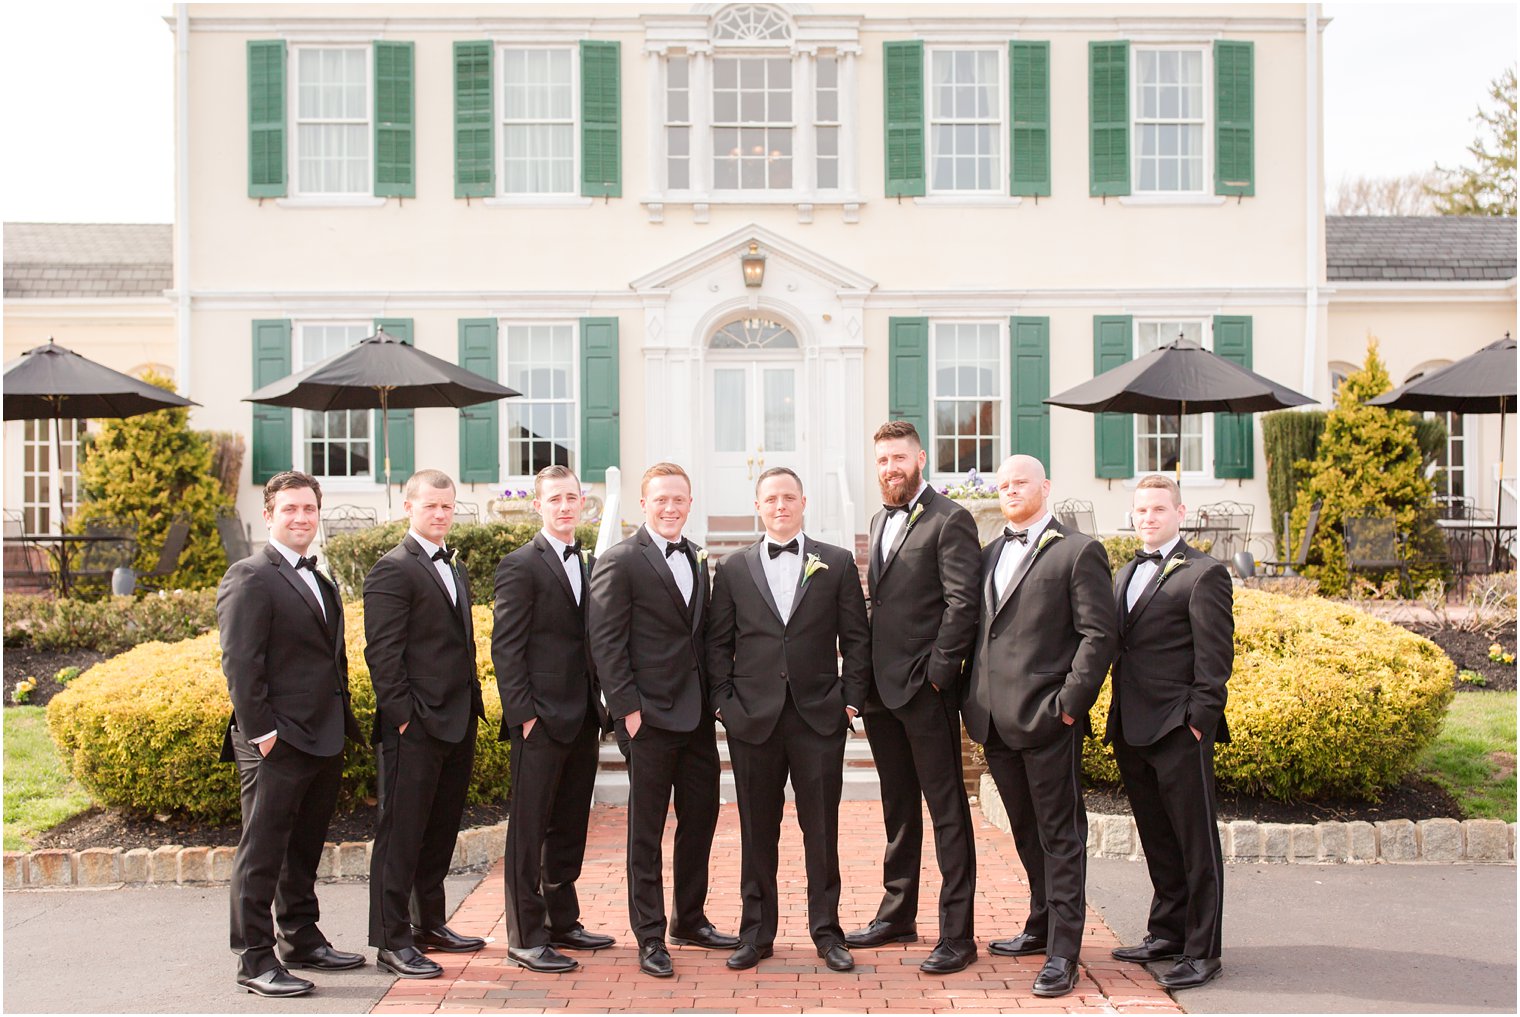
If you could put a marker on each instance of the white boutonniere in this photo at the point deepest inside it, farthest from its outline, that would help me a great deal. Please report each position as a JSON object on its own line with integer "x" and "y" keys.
{"x": 586, "y": 557}
{"x": 1173, "y": 563}
{"x": 918, "y": 510}
{"x": 813, "y": 564}
{"x": 702, "y": 556}
{"x": 1047, "y": 537}
{"x": 452, "y": 557}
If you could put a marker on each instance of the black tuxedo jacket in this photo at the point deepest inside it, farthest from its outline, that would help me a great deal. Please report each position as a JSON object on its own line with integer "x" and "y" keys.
{"x": 1044, "y": 649}
{"x": 752, "y": 656}
{"x": 286, "y": 667}
{"x": 538, "y": 643}
{"x": 420, "y": 646}
{"x": 1176, "y": 651}
{"x": 648, "y": 644}
{"x": 924, "y": 600}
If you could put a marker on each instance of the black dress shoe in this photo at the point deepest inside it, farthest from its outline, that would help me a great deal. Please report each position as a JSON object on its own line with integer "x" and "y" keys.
{"x": 1191, "y": 972}
{"x": 879, "y": 933}
{"x": 445, "y": 940}
{"x": 543, "y": 958}
{"x": 579, "y": 939}
{"x": 276, "y": 982}
{"x": 747, "y": 956}
{"x": 947, "y": 959}
{"x": 1019, "y": 946}
{"x": 654, "y": 960}
{"x": 1152, "y": 949}
{"x": 407, "y": 962}
{"x": 706, "y": 936}
{"x": 837, "y": 958}
{"x": 325, "y": 958}
{"x": 1056, "y": 978}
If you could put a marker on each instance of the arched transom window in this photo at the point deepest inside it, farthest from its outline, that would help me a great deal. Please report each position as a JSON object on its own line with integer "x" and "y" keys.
{"x": 754, "y": 334}
{"x": 751, "y": 23}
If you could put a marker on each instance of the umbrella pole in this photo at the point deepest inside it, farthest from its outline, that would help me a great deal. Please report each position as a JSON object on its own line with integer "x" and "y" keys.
{"x": 385, "y": 430}
{"x": 1499, "y": 490}
{"x": 1180, "y": 416}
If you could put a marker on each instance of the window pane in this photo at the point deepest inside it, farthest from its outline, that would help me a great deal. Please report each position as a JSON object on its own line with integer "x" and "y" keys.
{"x": 729, "y": 410}
{"x": 780, "y": 409}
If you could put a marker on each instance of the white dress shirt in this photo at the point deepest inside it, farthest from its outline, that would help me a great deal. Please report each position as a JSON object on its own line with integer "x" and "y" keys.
{"x": 1144, "y": 572}
{"x": 782, "y": 573}
{"x": 445, "y": 570}
{"x": 310, "y": 579}
{"x": 572, "y": 564}
{"x": 1013, "y": 555}
{"x": 680, "y": 565}
{"x": 896, "y": 521}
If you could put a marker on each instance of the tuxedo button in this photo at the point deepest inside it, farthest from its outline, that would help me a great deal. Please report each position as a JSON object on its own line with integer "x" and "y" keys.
{"x": 783, "y": 676}
{"x": 992, "y": 635}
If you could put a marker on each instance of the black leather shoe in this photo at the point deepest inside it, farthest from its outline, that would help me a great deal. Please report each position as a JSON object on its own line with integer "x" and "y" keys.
{"x": 879, "y": 933}
{"x": 579, "y": 939}
{"x": 1019, "y": 946}
{"x": 407, "y": 962}
{"x": 837, "y": 958}
{"x": 947, "y": 959}
{"x": 543, "y": 958}
{"x": 276, "y": 982}
{"x": 325, "y": 958}
{"x": 654, "y": 960}
{"x": 747, "y": 956}
{"x": 706, "y": 936}
{"x": 1056, "y": 978}
{"x": 445, "y": 940}
{"x": 1152, "y": 949}
{"x": 1191, "y": 972}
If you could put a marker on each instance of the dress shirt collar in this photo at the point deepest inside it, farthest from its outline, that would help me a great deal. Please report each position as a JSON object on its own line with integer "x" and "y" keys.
{"x": 1167, "y": 548}
{"x": 659, "y": 541}
{"x": 289, "y": 555}
{"x": 555, "y": 543}
{"x": 765, "y": 544}
{"x": 428, "y": 547}
{"x": 1034, "y": 529}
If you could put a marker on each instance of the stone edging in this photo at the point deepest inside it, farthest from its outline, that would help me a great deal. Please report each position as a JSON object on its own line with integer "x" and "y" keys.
{"x": 1396, "y": 840}
{"x": 482, "y": 845}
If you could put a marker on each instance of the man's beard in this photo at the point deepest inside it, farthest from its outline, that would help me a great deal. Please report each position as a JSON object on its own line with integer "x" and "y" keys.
{"x": 894, "y": 494}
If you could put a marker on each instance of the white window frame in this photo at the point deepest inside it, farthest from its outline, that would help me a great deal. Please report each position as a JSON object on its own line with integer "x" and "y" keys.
{"x": 56, "y": 508}
{"x": 293, "y": 103}
{"x": 999, "y": 188}
{"x": 936, "y": 476}
{"x": 499, "y": 91}
{"x": 795, "y": 125}
{"x": 1205, "y": 325}
{"x": 356, "y": 483}
{"x": 525, "y": 481}
{"x": 818, "y": 124}
{"x": 1205, "y": 192}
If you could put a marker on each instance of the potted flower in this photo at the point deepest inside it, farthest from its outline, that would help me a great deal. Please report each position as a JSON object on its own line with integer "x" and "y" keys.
{"x": 979, "y": 498}
{"x": 514, "y": 505}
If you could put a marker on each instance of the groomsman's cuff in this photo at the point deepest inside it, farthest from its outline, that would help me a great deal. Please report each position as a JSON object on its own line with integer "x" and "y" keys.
{"x": 261, "y": 739}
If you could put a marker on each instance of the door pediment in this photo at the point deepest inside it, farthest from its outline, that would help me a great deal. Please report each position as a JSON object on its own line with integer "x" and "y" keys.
{"x": 727, "y": 250}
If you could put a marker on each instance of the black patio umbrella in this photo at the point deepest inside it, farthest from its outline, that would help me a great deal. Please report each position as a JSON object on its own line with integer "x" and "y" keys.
{"x": 381, "y": 373}
{"x": 51, "y": 381}
{"x": 1175, "y": 379}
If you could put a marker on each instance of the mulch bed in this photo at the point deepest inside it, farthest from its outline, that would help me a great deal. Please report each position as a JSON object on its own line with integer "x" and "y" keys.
{"x": 22, "y": 662}
{"x": 1469, "y": 651}
{"x": 1413, "y": 799}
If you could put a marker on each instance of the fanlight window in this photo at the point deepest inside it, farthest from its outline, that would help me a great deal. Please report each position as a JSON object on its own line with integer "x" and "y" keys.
{"x": 754, "y": 334}
{"x": 750, "y": 23}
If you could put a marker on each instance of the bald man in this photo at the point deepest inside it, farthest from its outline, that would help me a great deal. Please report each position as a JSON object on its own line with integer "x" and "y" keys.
{"x": 1048, "y": 631}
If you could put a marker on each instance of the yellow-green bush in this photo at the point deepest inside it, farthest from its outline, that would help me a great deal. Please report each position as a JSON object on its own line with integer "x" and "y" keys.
{"x": 144, "y": 729}
{"x": 1325, "y": 700}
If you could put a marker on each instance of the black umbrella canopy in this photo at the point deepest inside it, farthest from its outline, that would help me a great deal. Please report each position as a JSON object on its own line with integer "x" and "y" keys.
{"x": 1481, "y": 383}
{"x": 54, "y": 381}
{"x": 1179, "y": 376}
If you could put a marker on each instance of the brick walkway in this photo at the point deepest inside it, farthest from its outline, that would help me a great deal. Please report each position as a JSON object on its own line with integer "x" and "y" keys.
{"x": 794, "y": 980}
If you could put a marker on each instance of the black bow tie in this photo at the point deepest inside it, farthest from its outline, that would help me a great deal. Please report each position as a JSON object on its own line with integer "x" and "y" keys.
{"x": 1022, "y": 536}
{"x": 680, "y": 545}
{"x": 893, "y": 509}
{"x": 572, "y": 550}
{"x": 441, "y": 554}
{"x": 1154, "y": 556}
{"x": 777, "y": 550}
{"x": 307, "y": 563}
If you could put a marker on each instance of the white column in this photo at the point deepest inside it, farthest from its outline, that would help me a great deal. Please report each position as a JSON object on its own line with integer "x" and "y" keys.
{"x": 655, "y": 70}
{"x": 849, "y": 121}
{"x": 804, "y": 115}
{"x": 701, "y": 124}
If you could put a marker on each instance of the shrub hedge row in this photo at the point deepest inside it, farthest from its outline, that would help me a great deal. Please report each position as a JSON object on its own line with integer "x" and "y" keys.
{"x": 110, "y": 625}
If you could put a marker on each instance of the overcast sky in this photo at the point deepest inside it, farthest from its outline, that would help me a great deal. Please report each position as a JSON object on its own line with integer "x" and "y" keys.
{"x": 89, "y": 99}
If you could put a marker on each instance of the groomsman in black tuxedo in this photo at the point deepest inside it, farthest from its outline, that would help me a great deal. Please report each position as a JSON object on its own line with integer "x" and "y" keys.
{"x": 420, "y": 646}
{"x": 1176, "y": 652}
{"x": 1046, "y": 638}
{"x": 281, "y": 625}
{"x": 782, "y": 613}
{"x": 551, "y": 710}
{"x": 648, "y": 609}
{"x": 923, "y": 601}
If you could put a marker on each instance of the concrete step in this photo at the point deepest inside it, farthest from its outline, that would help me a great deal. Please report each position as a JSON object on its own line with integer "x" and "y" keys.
{"x": 861, "y": 784}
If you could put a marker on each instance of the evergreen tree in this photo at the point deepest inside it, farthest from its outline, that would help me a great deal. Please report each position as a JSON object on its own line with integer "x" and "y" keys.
{"x": 1487, "y": 188}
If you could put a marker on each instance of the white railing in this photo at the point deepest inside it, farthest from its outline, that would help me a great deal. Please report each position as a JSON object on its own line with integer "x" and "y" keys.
{"x": 611, "y": 529}
{"x": 846, "y": 512}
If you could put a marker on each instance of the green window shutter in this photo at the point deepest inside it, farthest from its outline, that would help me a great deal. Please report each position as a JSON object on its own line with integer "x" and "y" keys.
{"x": 479, "y": 435}
{"x": 1108, "y": 117}
{"x": 266, "y": 118}
{"x": 1234, "y": 118}
{"x": 273, "y": 431}
{"x": 1029, "y": 101}
{"x": 1234, "y": 433}
{"x": 403, "y": 422}
{"x": 601, "y": 433}
{"x": 395, "y": 122}
{"x": 601, "y": 120}
{"x": 908, "y": 375}
{"x": 904, "y": 63}
{"x": 1113, "y": 433}
{"x": 474, "y": 121}
{"x": 1031, "y": 385}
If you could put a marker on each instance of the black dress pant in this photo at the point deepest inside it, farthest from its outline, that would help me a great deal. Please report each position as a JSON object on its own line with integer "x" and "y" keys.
{"x": 288, "y": 799}
{"x": 661, "y": 762}
{"x": 423, "y": 784}
{"x": 816, "y": 765}
{"x": 917, "y": 749}
{"x": 1171, "y": 786}
{"x": 552, "y": 784}
{"x": 1042, "y": 790}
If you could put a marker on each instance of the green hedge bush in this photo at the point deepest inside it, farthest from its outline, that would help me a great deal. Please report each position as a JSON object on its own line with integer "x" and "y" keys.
{"x": 107, "y": 626}
{"x": 143, "y": 730}
{"x": 1325, "y": 700}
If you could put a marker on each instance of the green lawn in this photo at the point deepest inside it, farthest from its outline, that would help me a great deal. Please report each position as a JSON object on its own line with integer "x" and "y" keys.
{"x": 39, "y": 793}
{"x": 1474, "y": 755}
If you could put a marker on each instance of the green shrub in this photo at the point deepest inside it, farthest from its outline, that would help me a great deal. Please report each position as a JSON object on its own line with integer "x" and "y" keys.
{"x": 481, "y": 546}
{"x": 1325, "y": 700}
{"x": 107, "y": 626}
{"x": 1122, "y": 547}
{"x": 1289, "y": 438}
{"x": 143, "y": 730}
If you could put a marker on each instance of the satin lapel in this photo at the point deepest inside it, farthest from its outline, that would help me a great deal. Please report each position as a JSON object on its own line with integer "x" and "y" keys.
{"x": 757, "y": 572}
{"x": 803, "y": 582}
{"x": 656, "y": 559}
{"x": 1031, "y": 559}
{"x": 462, "y": 581}
{"x": 902, "y": 538}
{"x": 1155, "y": 583}
{"x": 334, "y": 625}
{"x": 1121, "y": 587}
{"x": 698, "y": 588}
{"x": 299, "y": 585}
{"x": 426, "y": 565}
{"x": 873, "y": 550}
{"x": 990, "y": 555}
{"x": 556, "y": 563}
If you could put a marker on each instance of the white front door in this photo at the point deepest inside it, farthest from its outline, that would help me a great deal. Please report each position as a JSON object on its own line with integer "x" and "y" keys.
{"x": 755, "y": 409}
